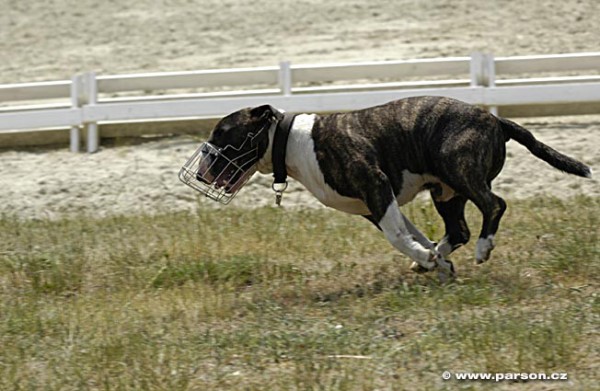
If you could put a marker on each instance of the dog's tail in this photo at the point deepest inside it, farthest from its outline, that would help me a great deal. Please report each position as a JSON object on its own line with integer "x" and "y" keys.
{"x": 542, "y": 151}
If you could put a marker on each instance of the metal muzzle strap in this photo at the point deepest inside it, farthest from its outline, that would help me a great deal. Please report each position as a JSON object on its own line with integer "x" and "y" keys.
{"x": 219, "y": 174}
{"x": 215, "y": 175}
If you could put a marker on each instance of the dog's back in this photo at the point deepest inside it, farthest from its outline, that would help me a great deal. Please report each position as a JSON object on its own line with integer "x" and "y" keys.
{"x": 422, "y": 135}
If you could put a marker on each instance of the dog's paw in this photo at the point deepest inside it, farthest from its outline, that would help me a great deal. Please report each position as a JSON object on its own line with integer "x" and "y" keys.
{"x": 484, "y": 249}
{"x": 444, "y": 267}
{"x": 446, "y": 272}
{"x": 430, "y": 261}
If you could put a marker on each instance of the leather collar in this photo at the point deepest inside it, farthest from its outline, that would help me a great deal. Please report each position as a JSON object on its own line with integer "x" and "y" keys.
{"x": 280, "y": 139}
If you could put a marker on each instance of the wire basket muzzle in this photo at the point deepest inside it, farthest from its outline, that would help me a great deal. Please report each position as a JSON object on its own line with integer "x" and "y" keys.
{"x": 218, "y": 177}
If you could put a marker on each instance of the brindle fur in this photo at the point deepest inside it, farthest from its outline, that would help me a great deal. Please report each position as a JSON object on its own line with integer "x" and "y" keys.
{"x": 463, "y": 145}
{"x": 363, "y": 154}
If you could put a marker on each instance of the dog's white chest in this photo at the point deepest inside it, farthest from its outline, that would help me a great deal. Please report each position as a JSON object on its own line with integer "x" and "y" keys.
{"x": 332, "y": 198}
{"x": 304, "y": 167}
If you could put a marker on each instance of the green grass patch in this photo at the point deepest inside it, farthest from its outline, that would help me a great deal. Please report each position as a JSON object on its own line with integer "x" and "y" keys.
{"x": 304, "y": 299}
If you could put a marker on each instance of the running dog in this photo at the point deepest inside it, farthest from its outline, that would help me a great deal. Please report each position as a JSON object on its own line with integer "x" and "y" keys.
{"x": 369, "y": 162}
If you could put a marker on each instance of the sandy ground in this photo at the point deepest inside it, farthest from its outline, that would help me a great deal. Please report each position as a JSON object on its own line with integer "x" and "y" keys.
{"x": 53, "y": 39}
{"x": 143, "y": 178}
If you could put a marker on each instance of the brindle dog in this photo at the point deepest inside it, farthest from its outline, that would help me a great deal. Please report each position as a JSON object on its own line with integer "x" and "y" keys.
{"x": 368, "y": 162}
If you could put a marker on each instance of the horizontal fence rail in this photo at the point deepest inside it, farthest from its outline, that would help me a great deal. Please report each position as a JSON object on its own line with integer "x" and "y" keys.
{"x": 87, "y": 100}
{"x": 548, "y": 63}
{"x": 381, "y": 70}
{"x": 35, "y": 91}
{"x": 184, "y": 80}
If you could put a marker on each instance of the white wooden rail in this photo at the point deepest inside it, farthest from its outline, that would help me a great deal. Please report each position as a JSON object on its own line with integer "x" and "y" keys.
{"x": 87, "y": 100}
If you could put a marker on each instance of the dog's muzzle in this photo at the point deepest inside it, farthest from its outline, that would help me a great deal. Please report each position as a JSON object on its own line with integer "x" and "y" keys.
{"x": 217, "y": 176}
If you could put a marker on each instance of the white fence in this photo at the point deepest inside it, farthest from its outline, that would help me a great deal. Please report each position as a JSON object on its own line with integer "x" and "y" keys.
{"x": 481, "y": 79}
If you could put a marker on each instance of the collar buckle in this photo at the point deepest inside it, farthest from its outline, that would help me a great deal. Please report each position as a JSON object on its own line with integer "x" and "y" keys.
{"x": 279, "y": 188}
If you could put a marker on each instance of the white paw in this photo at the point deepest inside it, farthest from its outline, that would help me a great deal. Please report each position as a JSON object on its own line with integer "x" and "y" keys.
{"x": 436, "y": 261}
{"x": 431, "y": 260}
{"x": 484, "y": 249}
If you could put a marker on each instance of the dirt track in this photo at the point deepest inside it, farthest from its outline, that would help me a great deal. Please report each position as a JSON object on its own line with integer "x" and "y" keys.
{"x": 54, "y": 39}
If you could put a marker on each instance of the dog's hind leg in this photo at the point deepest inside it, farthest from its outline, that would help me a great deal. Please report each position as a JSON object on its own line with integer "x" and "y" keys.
{"x": 457, "y": 231}
{"x": 469, "y": 173}
{"x": 492, "y": 208}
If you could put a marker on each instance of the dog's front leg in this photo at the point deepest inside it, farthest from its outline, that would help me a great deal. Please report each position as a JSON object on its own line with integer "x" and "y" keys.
{"x": 395, "y": 228}
{"x": 417, "y": 235}
{"x": 414, "y": 231}
{"x": 381, "y": 201}
{"x": 424, "y": 240}
{"x": 396, "y": 232}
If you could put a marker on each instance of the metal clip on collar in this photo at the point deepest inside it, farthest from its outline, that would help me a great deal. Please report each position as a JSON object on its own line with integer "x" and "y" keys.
{"x": 279, "y": 188}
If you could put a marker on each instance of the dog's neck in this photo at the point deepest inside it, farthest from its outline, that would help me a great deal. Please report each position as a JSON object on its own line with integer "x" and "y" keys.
{"x": 300, "y": 146}
{"x": 299, "y": 140}
{"x": 265, "y": 164}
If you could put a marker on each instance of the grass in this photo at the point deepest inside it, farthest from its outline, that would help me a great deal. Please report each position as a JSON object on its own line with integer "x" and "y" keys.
{"x": 304, "y": 299}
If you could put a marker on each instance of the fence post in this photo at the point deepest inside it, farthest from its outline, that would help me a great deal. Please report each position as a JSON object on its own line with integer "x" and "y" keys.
{"x": 490, "y": 76}
{"x": 476, "y": 69}
{"x": 483, "y": 73}
{"x": 75, "y": 132}
{"x": 91, "y": 93}
{"x": 285, "y": 77}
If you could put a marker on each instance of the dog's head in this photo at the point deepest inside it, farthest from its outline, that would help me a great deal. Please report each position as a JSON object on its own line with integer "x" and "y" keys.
{"x": 225, "y": 162}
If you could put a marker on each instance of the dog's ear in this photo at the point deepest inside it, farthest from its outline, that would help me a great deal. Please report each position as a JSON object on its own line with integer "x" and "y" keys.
{"x": 266, "y": 111}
